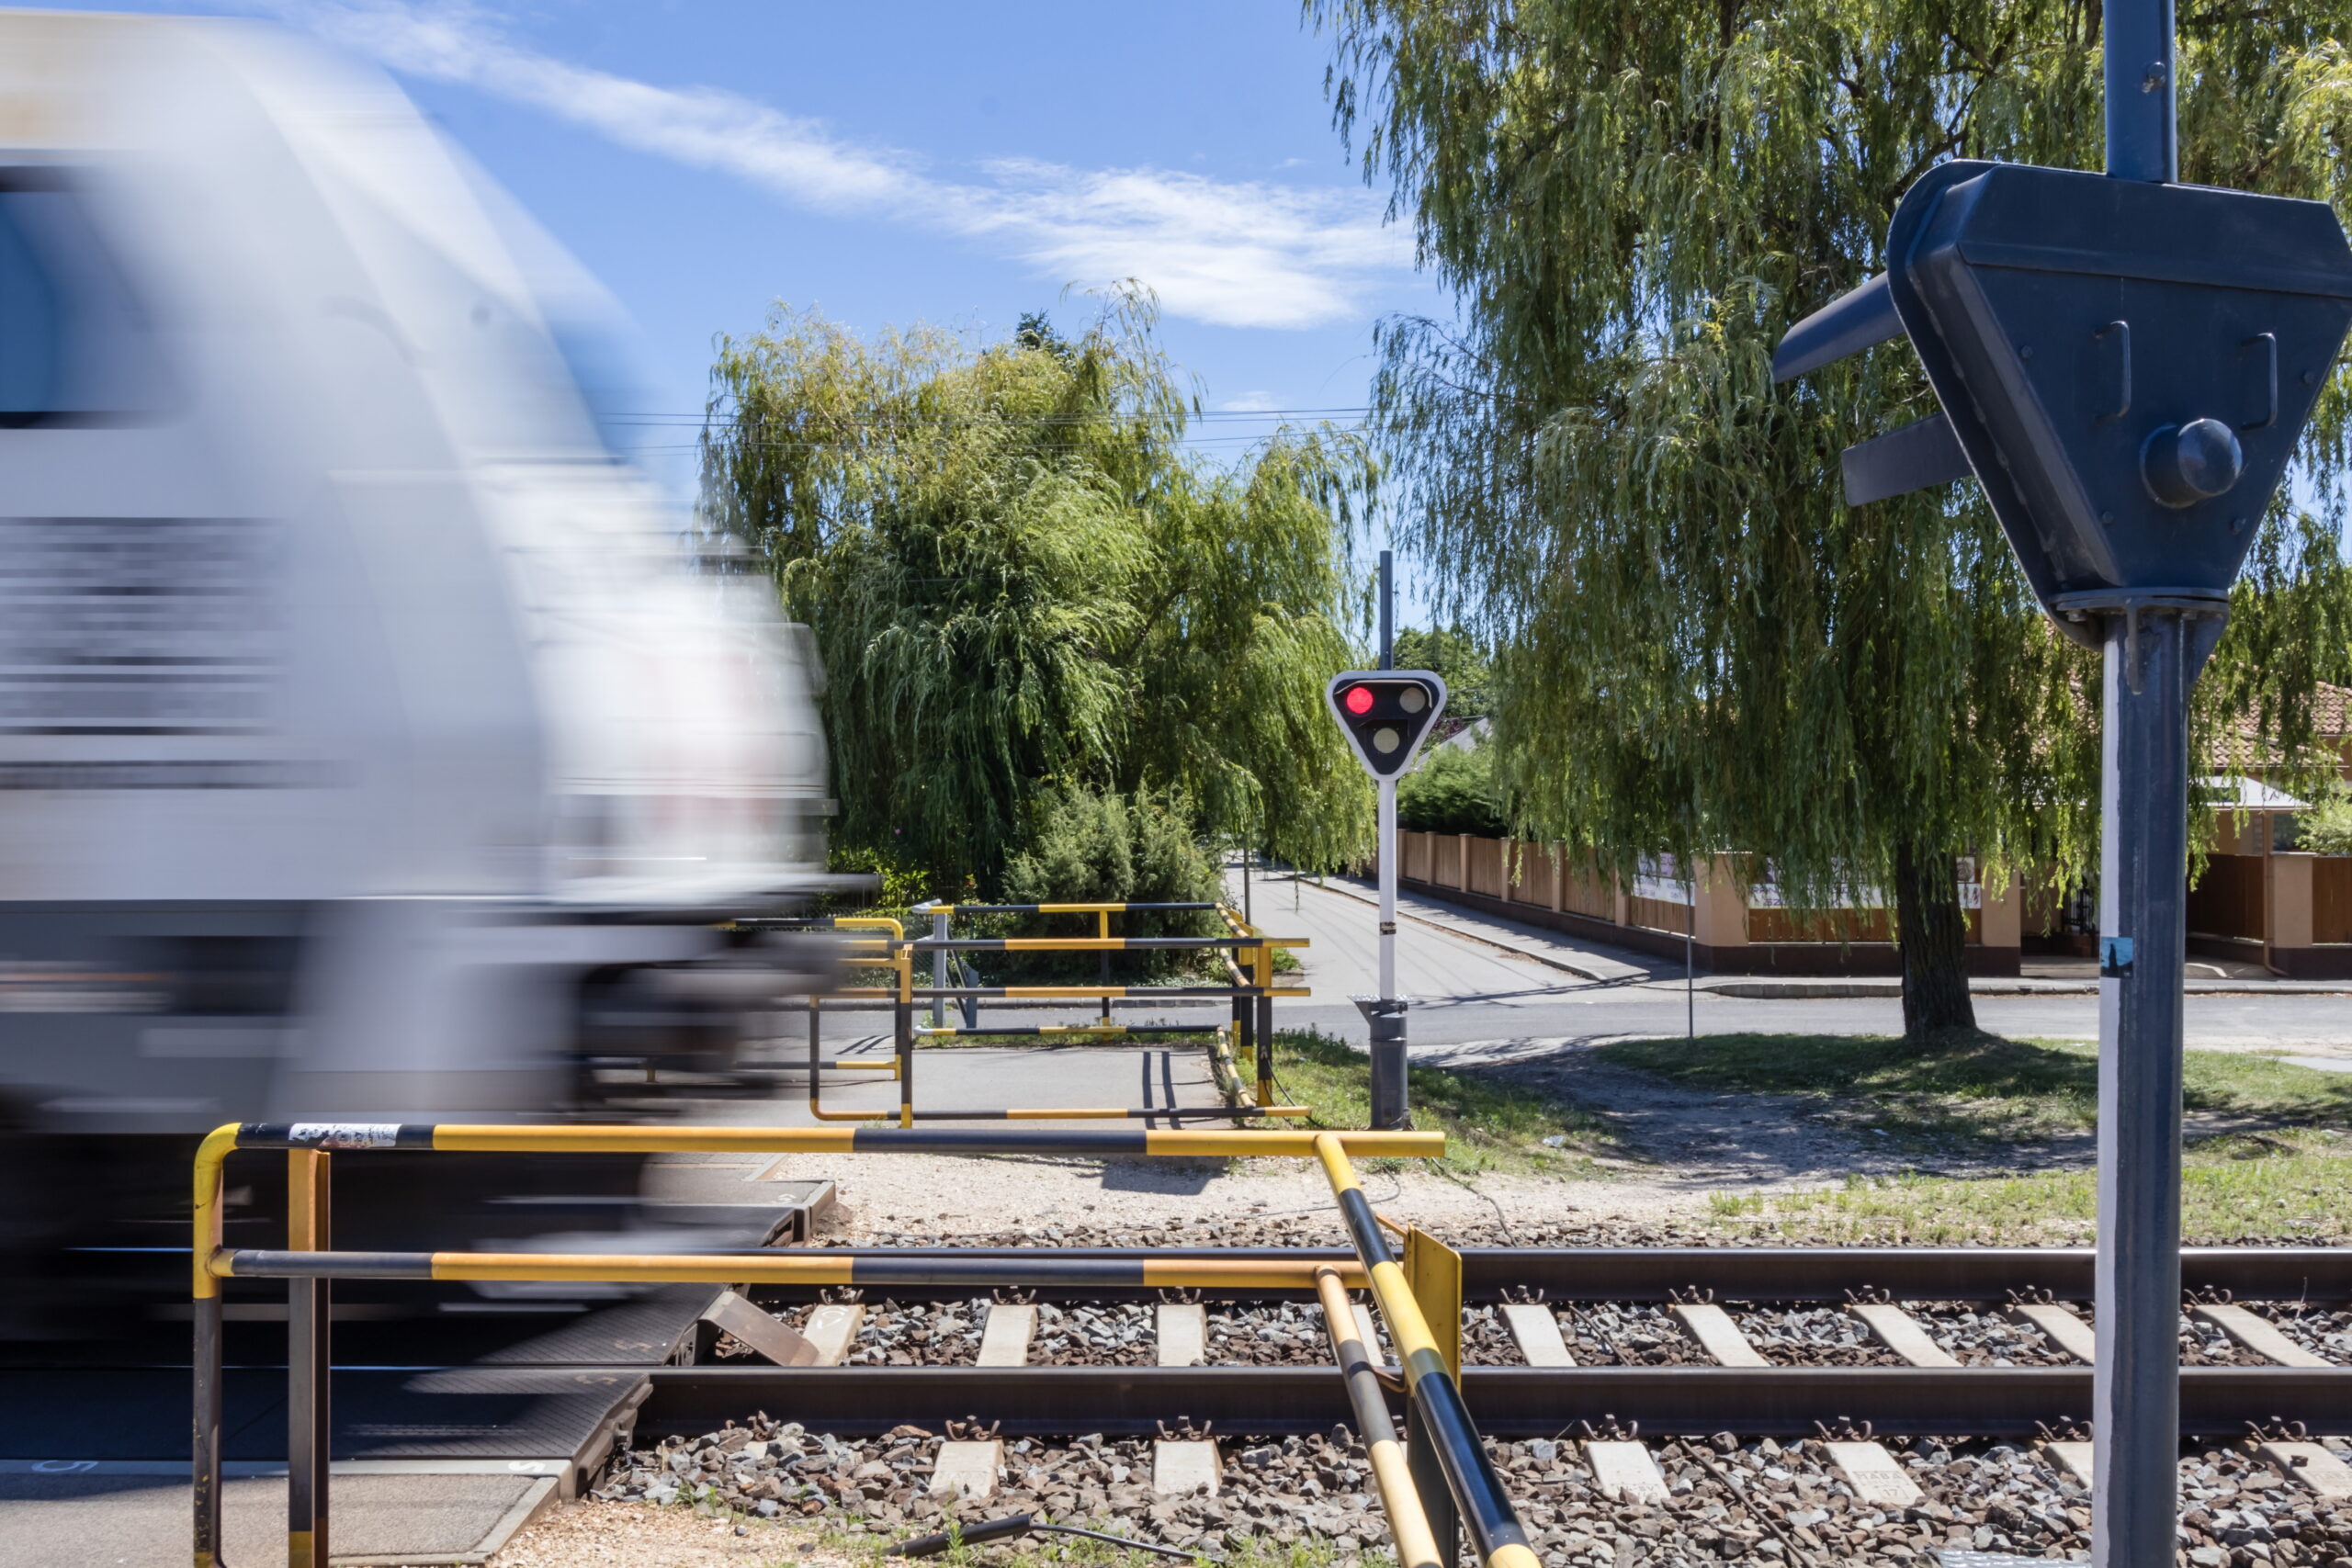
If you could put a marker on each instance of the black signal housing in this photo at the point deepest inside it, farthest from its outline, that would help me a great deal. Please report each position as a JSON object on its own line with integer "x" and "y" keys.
{"x": 1386, "y": 715}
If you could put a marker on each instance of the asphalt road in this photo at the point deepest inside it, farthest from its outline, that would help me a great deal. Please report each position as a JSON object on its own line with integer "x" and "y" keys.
{"x": 1465, "y": 991}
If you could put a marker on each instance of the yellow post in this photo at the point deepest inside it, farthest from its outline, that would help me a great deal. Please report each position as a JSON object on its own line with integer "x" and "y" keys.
{"x": 906, "y": 1037}
{"x": 309, "y": 1311}
{"x": 1103, "y": 930}
{"x": 1434, "y": 1271}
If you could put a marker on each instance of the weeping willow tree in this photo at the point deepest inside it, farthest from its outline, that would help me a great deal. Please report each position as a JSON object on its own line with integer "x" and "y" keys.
{"x": 1703, "y": 649}
{"x": 1029, "y": 597}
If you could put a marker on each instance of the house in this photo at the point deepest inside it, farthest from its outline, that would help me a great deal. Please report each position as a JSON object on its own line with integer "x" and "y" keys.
{"x": 2257, "y": 898}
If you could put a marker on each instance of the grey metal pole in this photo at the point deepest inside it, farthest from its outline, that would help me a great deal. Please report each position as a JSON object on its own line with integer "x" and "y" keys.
{"x": 1387, "y": 889}
{"x": 308, "y": 1359}
{"x": 1388, "y": 609}
{"x": 939, "y": 968}
{"x": 204, "y": 1456}
{"x": 1385, "y": 1016}
{"x": 2152, "y": 659}
{"x": 2143, "y": 133}
{"x": 1691, "y": 965}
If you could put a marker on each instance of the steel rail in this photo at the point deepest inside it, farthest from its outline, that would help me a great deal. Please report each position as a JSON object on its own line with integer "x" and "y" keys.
{"x": 1511, "y": 1402}
{"x": 1806, "y": 1274}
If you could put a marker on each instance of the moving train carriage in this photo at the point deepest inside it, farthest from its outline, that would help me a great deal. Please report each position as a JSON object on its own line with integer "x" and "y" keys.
{"x": 371, "y": 744}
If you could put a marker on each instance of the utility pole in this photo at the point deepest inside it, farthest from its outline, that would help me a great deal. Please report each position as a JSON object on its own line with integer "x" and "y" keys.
{"x": 2185, "y": 332}
{"x": 1388, "y": 609}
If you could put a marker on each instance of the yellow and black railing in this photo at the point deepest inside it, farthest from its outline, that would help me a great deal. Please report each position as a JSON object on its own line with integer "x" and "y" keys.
{"x": 1246, "y": 953}
{"x": 308, "y": 1262}
{"x": 1442, "y": 1437}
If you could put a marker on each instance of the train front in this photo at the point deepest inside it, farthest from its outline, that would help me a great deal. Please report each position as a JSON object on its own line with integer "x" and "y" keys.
{"x": 373, "y": 745}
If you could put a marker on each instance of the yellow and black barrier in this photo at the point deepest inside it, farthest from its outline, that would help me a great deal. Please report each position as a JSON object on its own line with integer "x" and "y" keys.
{"x": 1438, "y": 1413}
{"x": 1049, "y": 1271}
{"x": 1408, "y": 1521}
{"x": 1250, "y": 994}
{"x": 1134, "y": 993}
{"x": 1101, "y": 909}
{"x": 1091, "y": 1031}
{"x": 308, "y": 1263}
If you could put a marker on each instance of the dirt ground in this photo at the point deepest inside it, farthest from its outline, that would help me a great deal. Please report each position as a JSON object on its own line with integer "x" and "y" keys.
{"x": 638, "y": 1535}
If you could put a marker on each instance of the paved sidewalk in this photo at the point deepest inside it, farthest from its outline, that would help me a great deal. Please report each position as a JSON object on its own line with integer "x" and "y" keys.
{"x": 103, "y": 1516}
{"x": 1617, "y": 965}
{"x": 1585, "y": 960}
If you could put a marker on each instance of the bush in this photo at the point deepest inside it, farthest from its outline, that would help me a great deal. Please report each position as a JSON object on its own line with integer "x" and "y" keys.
{"x": 1098, "y": 847}
{"x": 1092, "y": 846}
{"x": 1452, "y": 791}
{"x": 2326, "y": 827}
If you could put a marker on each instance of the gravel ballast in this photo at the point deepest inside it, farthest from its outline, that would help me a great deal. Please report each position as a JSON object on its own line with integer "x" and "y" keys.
{"x": 1759, "y": 1502}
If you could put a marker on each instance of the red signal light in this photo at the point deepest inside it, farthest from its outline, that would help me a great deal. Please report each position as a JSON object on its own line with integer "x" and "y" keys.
{"x": 1358, "y": 700}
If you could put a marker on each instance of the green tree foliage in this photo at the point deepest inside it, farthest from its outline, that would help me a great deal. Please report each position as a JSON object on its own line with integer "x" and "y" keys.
{"x": 1027, "y": 595}
{"x": 1451, "y": 790}
{"x": 1095, "y": 848}
{"x": 1460, "y": 658}
{"x": 2326, "y": 827}
{"x": 1702, "y": 648}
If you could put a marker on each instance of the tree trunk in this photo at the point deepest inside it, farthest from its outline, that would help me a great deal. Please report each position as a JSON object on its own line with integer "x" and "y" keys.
{"x": 1932, "y": 934}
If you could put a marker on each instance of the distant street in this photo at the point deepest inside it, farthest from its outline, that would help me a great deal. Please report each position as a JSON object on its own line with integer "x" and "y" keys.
{"x": 1465, "y": 991}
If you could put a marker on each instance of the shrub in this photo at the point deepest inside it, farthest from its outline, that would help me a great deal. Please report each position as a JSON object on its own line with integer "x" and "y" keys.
{"x": 1452, "y": 791}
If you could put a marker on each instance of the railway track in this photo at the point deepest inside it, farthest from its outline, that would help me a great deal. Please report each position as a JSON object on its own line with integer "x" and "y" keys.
{"x": 1807, "y": 1404}
{"x": 1641, "y": 1404}
{"x": 1776, "y": 1342}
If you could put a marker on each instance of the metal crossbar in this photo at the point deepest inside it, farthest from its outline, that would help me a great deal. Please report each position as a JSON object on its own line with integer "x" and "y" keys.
{"x": 1432, "y": 1368}
{"x": 308, "y": 1263}
{"x": 1246, "y": 953}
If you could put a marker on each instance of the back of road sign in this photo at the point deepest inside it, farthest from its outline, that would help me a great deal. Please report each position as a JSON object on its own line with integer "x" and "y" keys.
{"x": 1386, "y": 715}
{"x": 2126, "y": 367}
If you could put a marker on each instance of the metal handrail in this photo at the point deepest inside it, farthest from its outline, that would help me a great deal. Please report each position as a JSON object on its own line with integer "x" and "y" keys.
{"x": 929, "y": 906}
{"x": 308, "y": 1263}
{"x": 1251, "y": 995}
{"x": 1436, "y": 1396}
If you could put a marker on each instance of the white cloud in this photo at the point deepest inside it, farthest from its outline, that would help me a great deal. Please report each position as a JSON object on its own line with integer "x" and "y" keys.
{"x": 1245, "y": 254}
{"x": 1250, "y": 402}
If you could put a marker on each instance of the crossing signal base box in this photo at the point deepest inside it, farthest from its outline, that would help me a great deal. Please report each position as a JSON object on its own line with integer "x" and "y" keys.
{"x": 1386, "y": 715}
{"x": 2125, "y": 366}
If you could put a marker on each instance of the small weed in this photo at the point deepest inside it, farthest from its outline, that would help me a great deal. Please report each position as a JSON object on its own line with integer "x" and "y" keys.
{"x": 2243, "y": 1187}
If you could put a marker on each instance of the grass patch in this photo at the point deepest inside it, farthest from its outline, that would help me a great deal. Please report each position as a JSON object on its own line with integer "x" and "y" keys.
{"x": 2265, "y": 1187}
{"x": 1975, "y": 1088}
{"x": 1490, "y": 1122}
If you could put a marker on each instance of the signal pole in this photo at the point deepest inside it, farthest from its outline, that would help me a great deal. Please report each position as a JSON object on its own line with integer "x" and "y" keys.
{"x": 1387, "y": 829}
{"x": 1385, "y": 715}
{"x": 2187, "y": 333}
{"x": 2152, "y": 656}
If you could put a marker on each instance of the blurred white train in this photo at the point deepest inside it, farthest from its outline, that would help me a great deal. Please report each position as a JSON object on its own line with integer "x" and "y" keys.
{"x": 373, "y": 743}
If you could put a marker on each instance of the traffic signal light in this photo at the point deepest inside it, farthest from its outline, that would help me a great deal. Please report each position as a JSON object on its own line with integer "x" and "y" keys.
{"x": 1385, "y": 714}
{"x": 2125, "y": 366}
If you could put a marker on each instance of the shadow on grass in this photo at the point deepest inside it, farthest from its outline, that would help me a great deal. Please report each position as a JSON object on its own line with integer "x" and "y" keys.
{"x": 1973, "y": 1085}
{"x": 1492, "y": 1121}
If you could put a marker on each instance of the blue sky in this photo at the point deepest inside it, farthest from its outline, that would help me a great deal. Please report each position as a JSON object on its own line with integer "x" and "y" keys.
{"x": 946, "y": 163}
